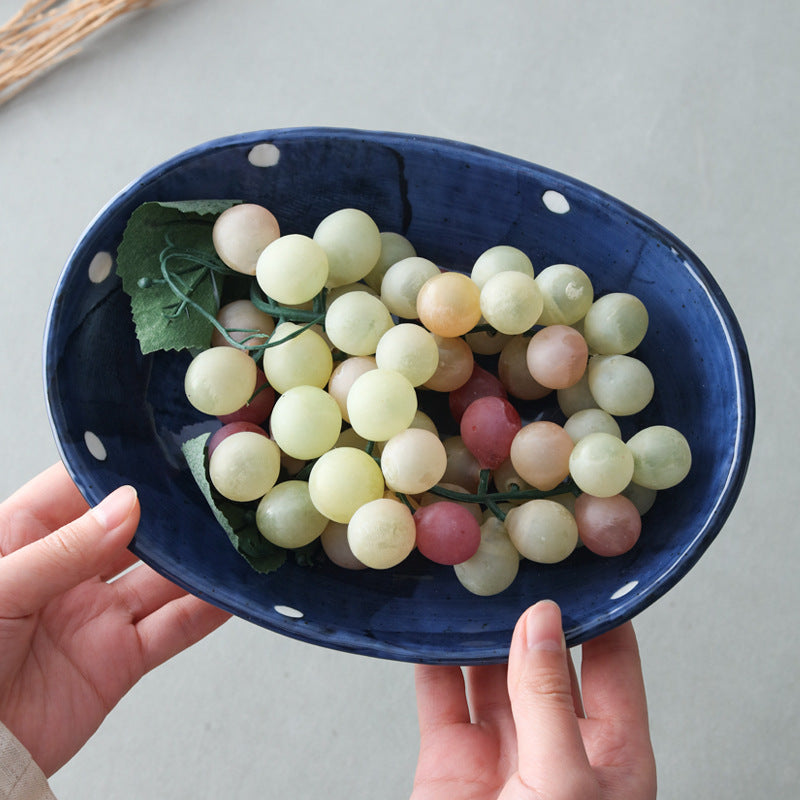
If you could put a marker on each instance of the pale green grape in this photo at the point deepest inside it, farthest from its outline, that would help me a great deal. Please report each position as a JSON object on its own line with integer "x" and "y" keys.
{"x": 642, "y": 497}
{"x": 601, "y": 464}
{"x": 352, "y": 242}
{"x": 380, "y": 404}
{"x": 511, "y": 302}
{"x": 567, "y": 294}
{"x": 494, "y": 566}
{"x": 615, "y": 324}
{"x": 356, "y": 321}
{"x": 621, "y": 385}
{"x": 577, "y": 397}
{"x": 413, "y": 461}
{"x": 293, "y": 269}
{"x": 304, "y": 359}
{"x": 342, "y": 480}
{"x": 244, "y": 466}
{"x": 394, "y": 247}
{"x": 305, "y": 422}
{"x": 241, "y": 233}
{"x": 402, "y": 282}
{"x": 486, "y": 343}
{"x": 381, "y": 533}
{"x": 333, "y": 294}
{"x": 661, "y": 457}
{"x": 410, "y": 350}
{"x": 542, "y": 530}
{"x": 220, "y": 380}
{"x": 334, "y": 543}
{"x": 500, "y": 258}
{"x": 591, "y": 420}
{"x": 286, "y": 516}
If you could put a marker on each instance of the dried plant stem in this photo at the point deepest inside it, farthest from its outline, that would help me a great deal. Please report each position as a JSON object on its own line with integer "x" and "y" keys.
{"x": 45, "y": 32}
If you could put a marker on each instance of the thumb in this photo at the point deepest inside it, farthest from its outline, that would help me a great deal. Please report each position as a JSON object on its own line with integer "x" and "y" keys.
{"x": 539, "y": 683}
{"x": 35, "y": 574}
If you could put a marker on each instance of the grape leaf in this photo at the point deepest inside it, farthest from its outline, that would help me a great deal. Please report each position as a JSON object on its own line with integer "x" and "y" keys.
{"x": 237, "y": 519}
{"x": 187, "y": 225}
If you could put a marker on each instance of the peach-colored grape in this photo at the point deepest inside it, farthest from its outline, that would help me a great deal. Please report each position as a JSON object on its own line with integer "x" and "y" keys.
{"x": 246, "y": 323}
{"x": 344, "y": 376}
{"x": 557, "y": 356}
{"x": 512, "y": 369}
{"x": 454, "y": 367}
{"x": 608, "y": 526}
{"x": 462, "y": 467}
{"x": 540, "y": 454}
{"x": 449, "y": 304}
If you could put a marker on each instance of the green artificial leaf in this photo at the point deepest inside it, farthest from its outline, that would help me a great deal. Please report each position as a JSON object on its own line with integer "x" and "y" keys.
{"x": 237, "y": 519}
{"x": 162, "y": 321}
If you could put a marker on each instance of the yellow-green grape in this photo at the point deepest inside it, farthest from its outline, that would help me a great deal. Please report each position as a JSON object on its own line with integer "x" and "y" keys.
{"x": 382, "y": 533}
{"x": 601, "y": 464}
{"x": 486, "y": 343}
{"x": 343, "y": 377}
{"x": 394, "y": 247}
{"x": 501, "y": 258}
{"x": 424, "y": 422}
{"x": 449, "y": 304}
{"x": 402, "y": 282}
{"x": 567, "y": 294}
{"x": 576, "y": 397}
{"x": 241, "y": 233}
{"x": 333, "y": 294}
{"x": 304, "y": 359}
{"x": 244, "y": 466}
{"x": 220, "y": 380}
{"x": 380, "y": 404}
{"x": 641, "y": 497}
{"x": 662, "y": 457}
{"x": 511, "y": 302}
{"x": 334, "y": 543}
{"x": 342, "y": 480}
{"x": 494, "y": 566}
{"x": 507, "y": 479}
{"x": 244, "y": 322}
{"x": 621, "y": 385}
{"x": 410, "y": 350}
{"x": 293, "y": 269}
{"x": 305, "y": 422}
{"x": 542, "y": 530}
{"x": 615, "y": 324}
{"x": 591, "y": 420}
{"x": 349, "y": 438}
{"x": 352, "y": 242}
{"x": 286, "y": 516}
{"x": 355, "y": 323}
{"x": 413, "y": 461}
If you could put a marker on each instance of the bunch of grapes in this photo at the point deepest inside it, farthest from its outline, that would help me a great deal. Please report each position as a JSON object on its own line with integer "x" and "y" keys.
{"x": 317, "y": 380}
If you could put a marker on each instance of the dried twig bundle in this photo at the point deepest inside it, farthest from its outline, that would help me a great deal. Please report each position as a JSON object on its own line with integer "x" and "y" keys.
{"x": 45, "y": 32}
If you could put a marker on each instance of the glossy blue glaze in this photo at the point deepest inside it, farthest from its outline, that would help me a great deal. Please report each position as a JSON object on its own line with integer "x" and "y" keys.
{"x": 452, "y": 201}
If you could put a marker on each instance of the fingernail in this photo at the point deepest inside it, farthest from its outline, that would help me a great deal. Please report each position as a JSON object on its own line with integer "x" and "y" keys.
{"x": 543, "y": 628}
{"x": 113, "y": 510}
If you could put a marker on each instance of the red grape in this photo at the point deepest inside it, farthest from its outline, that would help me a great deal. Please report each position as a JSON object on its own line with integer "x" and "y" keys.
{"x": 608, "y": 526}
{"x": 480, "y": 383}
{"x": 447, "y": 533}
{"x": 226, "y": 430}
{"x": 260, "y": 406}
{"x": 488, "y": 427}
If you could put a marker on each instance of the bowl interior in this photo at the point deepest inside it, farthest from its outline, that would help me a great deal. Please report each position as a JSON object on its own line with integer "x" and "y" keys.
{"x": 120, "y": 417}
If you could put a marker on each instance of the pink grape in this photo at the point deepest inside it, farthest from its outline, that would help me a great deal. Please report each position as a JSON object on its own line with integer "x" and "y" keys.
{"x": 447, "y": 533}
{"x": 608, "y": 526}
{"x": 260, "y": 406}
{"x": 481, "y": 383}
{"x": 488, "y": 427}
{"x": 227, "y": 430}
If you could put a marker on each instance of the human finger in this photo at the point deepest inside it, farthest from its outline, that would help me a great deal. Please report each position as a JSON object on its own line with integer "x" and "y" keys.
{"x": 143, "y": 591}
{"x": 487, "y": 692}
{"x": 118, "y": 565}
{"x": 441, "y": 696}
{"x": 34, "y": 574}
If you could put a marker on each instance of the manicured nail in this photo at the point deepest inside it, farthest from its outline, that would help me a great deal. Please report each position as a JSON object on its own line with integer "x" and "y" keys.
{"x": 543, "y": 628}
{"x": 113, "y": 510}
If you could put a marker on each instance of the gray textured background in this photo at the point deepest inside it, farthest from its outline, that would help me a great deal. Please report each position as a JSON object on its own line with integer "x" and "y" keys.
{"x": 688, "y": 111}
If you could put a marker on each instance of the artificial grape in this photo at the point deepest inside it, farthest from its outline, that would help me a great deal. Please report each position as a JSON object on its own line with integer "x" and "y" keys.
{"x": 381, "y": 533}
{"x": 394, "y": 247}
{"x": 344, "y": 375}
{"x": 306, "y": 422}
{"x": 355, "y": 323}
{"x": 402, "y": 282}
{"x": 621, "y": 385}
{"x": 424, "y": 422}
{"x": 495, "y": 564}
{"x": 511, "y": 302}
{"x": 342, "y": 480}
{"x": 449, "y": 304}
{"x": 293, "y": 269}
{"x": 506, "y": 478}
{"x": 501, "y": 258}
{"x": 244, "y": 466}
{"x": 481, "y": 383}
{"x": 333, "y": 294}
{"x": 576, "y": 397}
{"x": 336, "y": 547}
{"x": 244, "y": 322}
{"x": 591, "y": 420}
{"x": 662, "y": 457}
{"x": 258, "y": 408}
{"x": 380, "y": 404}
{"x": 513, "y": 372}
{"x": 540, "y": 454}
{"x": 542, "y": 531}
{"x": 349, "y": 438}
{"x": 454, "y": 365}
{"x": 608, "y": 526}
{"x": 463, "y": 468}
{"x": 297, "y": 359}
{"x": 447, "y": 533}
{"x": 567, "y": 294}
{"x": 410, "y": 350}
{"x": 286, "y": 516}
{"x": 486, "y": 343}
{"x": 601, "y": 464}
{"x": 352, "y": 242}
{"x": 229, "y": 429}
{"x": 220, "y": 380}
{"x": 413, "y": 461}
{"x": 615, "y": 324}
{"x": 488, "y": 428}
{"x": 474, "y": 508}
{"x": 241, "y": 233}
{"x": 642, "y": 497}
{"x": 557, "y": 356}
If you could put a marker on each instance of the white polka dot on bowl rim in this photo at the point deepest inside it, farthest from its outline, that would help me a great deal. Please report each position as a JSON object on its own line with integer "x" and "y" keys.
{"x": 264, "y": 155}
{"x": 623, "y": 590}
{"x": 555, "y": 202}
{"x": 288, "y": 611}
{"x": 95, "y": 446}
{"x": 100, "y": 266}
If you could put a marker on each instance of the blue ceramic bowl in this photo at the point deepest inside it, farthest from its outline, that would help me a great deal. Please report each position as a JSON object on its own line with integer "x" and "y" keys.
{"x": 119, "y": 417}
